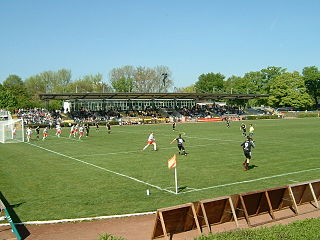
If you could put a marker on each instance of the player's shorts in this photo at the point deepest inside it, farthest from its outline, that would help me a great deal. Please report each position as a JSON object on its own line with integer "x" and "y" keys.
{"x": 81, "y": 133}
{"x": 71, "y": 132}
{"x": 180, "y": 147}
{"x": 45, "y": 134}
{"x": 59, "y": 131}
{"x": 151, "y": 142}
{"x": 247, "y": 154}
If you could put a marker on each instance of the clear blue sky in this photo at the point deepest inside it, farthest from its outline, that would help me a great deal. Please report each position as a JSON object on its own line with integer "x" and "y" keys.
{"x": 190, "y": 37}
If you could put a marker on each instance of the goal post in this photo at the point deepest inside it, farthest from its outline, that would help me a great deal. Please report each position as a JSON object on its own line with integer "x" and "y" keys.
{"x": 11, "y": 131}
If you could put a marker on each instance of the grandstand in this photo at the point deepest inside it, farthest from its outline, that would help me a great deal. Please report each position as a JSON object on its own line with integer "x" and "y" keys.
{"x": 173, "y": 106}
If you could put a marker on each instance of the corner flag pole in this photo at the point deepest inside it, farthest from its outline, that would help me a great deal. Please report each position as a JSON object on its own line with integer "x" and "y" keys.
{"x": 176, "y": 179}
{"x": 172, "y": 163}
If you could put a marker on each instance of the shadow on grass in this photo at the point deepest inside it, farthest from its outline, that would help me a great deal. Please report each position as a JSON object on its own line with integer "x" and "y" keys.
{"x": 252, "y": 166}
{"x": 23, "y": 231}
{"x": 180, "y": 189}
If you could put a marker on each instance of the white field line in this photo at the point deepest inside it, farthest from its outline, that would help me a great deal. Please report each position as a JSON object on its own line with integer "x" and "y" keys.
{"x": 135, "y": 151}
{"x": 105, "y": 169}
{"x": 72, "y": 138}
{"x": 184, "y": 134}
{"x": 253, "y": 180}
{"x": 293, "y": 181}
{"x": 79, "y": 219}
{"x": 214, "y": 139}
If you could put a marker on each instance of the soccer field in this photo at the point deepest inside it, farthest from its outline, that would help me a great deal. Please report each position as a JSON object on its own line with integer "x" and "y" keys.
{"x": 107, "y": 174}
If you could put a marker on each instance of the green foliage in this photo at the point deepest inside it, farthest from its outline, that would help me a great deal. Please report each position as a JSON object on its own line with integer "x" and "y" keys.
{"x": 122, "y": 85}
{"x": 141, "y": 79}
{"x": 311, "y": 77}
{"x": 144, "y": 79}
{"x": 88, "y": 83}
{"x": 305, "y": 229}
{"x": 288, "y": 89}
{"x": 307, "y": 115}
{"x": 188, "y": 89}
{"x": 55, "y": 105}
{"x": 210, "y": 82}
{"x": 106, "y": 236}
{"x": 15, "y": 86}
{"x": 261, "y": 117}
{"x": 7, "y": 100}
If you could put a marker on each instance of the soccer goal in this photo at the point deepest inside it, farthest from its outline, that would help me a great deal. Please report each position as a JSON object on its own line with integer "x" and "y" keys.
{"x": 11, "y": 131}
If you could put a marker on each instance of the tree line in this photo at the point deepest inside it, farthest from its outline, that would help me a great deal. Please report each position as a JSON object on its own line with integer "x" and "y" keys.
{"x": 284, "y": 88}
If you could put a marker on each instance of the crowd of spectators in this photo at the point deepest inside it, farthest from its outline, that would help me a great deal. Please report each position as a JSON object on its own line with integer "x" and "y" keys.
{"x": 43, "y": 116}
{"x": 39, "y": 116}
{"x": 207, "y": 111}
{"x": 85, "y": 115}
{"x": 90, "y": 116}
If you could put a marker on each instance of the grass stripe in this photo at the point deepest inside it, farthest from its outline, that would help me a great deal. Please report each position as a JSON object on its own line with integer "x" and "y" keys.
{"x": 104, "y": 169}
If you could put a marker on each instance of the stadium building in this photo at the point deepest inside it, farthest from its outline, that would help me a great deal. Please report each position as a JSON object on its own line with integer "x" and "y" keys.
{"x": 139, "y": 101}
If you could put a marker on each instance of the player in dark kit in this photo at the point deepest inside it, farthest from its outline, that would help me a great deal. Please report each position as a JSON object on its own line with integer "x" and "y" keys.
{"x": 180, "y": 142}
{"x": 97, "y": 126}
{"x": 246, "y": 147}
{"x": 87, "y": 127}
{"x": 243, "y": 128}
{"x": 108, "y": 128}
{"x": 38, "y": 131}
{"x": 173, "y": 126}
{"x": 228, "y": 122}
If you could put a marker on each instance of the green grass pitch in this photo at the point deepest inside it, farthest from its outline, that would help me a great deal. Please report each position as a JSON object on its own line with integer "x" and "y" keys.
{"x": 107, "y": 174}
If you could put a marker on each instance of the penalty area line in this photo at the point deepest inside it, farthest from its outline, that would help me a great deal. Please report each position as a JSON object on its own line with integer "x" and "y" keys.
{"x": 248, "y": 181}
{"x": 102, "y": 168}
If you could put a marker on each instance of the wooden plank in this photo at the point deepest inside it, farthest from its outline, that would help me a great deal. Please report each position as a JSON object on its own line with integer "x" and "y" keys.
{"x": 269, "y": 204}
{"x": 196, "y": 219}
{"x": 155, "y": 228}
{"x": 293, "y": 200}
{"x": 245, "y": 210}
{"x": 259, "y": 204}
{"x": 233, "y": 212}
{"x": 314, "y": 195}
{"x": 163, "y": 226}
{"x": 205, "y": 216}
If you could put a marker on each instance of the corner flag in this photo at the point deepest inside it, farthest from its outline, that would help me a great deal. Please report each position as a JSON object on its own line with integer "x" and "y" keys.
{"x": 172, "y": 162}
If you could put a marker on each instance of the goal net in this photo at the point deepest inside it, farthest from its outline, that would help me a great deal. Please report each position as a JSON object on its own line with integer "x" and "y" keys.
{"x": 11, "y": 131}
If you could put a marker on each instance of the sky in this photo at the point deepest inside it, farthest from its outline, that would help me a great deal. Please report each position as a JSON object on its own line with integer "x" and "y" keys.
{"x": 190, "y": 37}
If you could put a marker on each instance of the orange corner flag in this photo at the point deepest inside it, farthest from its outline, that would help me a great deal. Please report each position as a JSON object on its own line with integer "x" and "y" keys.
{"x": 172, "y": 162}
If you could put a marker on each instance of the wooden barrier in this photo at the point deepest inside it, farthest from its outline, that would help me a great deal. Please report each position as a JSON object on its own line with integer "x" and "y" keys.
{"x": 306, "y": 193}
{"x": 276, "y": 203}
{"x": 216, "y": 211}
{"x": 174, "y": 220}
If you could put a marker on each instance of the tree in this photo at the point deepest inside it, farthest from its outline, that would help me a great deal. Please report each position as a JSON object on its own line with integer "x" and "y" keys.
{"x": 122, "y": 85}
{"x": 88, "y": 83}
{"x": 188, "y": 89}
{"x": 15, "y": 86}
{"x": 311, "y": 77}
{"x": 235, "y": 84}
{"x": 141, "y": 79}
{"x": 7, "y": 100}
{"x": 122, "y": 79}
{"x": 35, "y": 85}
{"x": 210, "y": 82}
{"x": 163, "y": 81}
{"x": 288, "y": 90}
